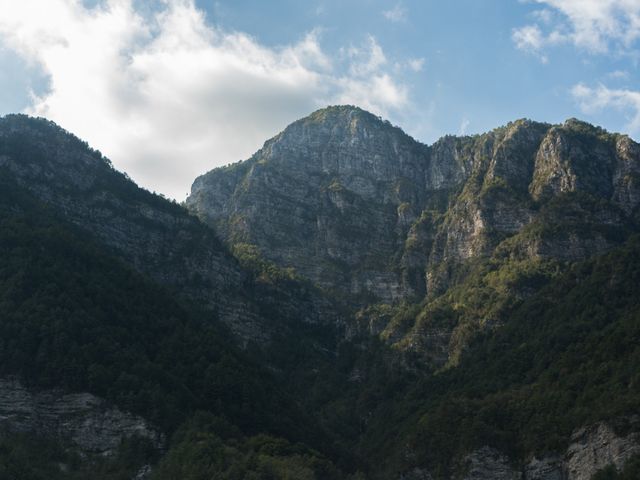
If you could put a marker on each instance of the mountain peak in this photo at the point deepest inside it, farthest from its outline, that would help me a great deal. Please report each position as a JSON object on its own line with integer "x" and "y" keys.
{"x": 357, "y": 187}
{"x": 51, "y": 145}
{"x": 337, "y": 112}
{"x": 344, "y": 124}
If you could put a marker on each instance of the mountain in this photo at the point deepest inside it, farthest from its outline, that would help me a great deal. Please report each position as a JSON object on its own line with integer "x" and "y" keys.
{"x": 332, "y": 196}
{"x": 346, "y": 304}
{"x": 158, "y": 238}
{"x": 355, "y": 205}
{"x": 125, "y": 314}
{"x": 439, "y": 248}
{"x": 358, "y": 207}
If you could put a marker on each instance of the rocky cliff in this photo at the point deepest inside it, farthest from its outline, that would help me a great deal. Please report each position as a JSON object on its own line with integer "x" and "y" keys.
{"x": 86, "y": 422}
{"x": 332, "y": 196}
{"x": 591, "y": 449}
{"x": 355, "y": 205}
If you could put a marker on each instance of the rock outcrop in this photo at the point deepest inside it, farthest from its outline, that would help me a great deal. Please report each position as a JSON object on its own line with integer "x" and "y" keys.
{"x": 324, "y": 197}
{"x": 487, "y": 463}
{"x": 595, "y": 447}
{"x": 87, "y": 423}
{"x": 362, "y": 210}
{"x": 591, "y": 449}
{"x": 550, "y": 467}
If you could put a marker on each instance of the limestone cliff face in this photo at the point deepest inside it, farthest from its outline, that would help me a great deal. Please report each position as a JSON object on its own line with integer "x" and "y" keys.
{"x": 87, "y": 423}
{"x": 332, "y": 196}
{"x": 591, "y": 449}
{"x": 595, "y": 447}
{"x": 355, "y": 205}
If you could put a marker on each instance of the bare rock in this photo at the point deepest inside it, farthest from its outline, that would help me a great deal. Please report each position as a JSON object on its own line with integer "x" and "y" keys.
{"x": 488, "y": 464}
{"x": 89, "y": 423}
{"x": 595, "y": 447}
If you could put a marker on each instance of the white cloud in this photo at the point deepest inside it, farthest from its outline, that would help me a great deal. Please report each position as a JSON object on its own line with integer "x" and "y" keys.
{"x": 396, "y": 14}
{"x": 596, "y": 26}
{"x": 528, "y": 38}
{"x": 593, "y": 100}
{"x": 167, "y": 96}
{"x": 357, "y": 91}
{"x": 545, "y": 15}
{"x": 366, "y": 59}
{"x": 619, "y": 75}
{"x": 464, "y": 126}
{"x": 533, "y": 40}
{"x": 416, "y": 64}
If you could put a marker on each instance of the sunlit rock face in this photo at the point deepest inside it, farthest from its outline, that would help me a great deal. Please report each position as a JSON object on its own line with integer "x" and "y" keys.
{"x": 332, "y": 196}
{"x": 355, "y": 205}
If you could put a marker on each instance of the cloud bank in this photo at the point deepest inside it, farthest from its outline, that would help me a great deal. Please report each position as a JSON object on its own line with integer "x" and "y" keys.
{"x": 167, "y": 96}
{"x": 594, "y": 99}
{"x": 596, "y": 26}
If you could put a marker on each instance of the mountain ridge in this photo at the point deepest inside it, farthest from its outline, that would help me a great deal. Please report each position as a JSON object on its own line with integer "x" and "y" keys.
{"x": 157, "y": 236}
{"x": 512, "y": 354}
{"x": 335, "y": 153}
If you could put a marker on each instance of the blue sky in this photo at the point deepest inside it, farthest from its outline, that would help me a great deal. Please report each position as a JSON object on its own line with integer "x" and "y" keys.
{"x": 170, "y": 89}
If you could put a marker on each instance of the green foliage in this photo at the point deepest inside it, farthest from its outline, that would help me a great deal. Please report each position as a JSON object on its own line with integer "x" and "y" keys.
{"x": 208, "y": 447}
{"x": 401, "y": 320}
{"x": 559, "y": 350}
{"x": 264, "y": 271}
{"x": 566, "y": 356}
{"x": 588, "y": 133}
{"x": 42, "y": 142}
{"x": 74, "y": 317}
{"x": 30, "y": 457}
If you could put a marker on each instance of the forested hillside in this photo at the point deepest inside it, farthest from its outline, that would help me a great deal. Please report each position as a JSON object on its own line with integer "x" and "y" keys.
{"x": 467, "y": 310}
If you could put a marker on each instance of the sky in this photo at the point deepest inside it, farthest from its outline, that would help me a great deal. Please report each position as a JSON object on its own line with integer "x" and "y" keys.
{"x": 169, "y": 89}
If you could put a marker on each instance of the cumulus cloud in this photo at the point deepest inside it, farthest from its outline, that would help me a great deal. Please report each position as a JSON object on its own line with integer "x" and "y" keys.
{"x": 596, "y": 26}
{"x": 594, "y": 99}
{"x": 167, "y": 96}
{"x": 619, "y": 75}
{"x": 531, "y": 39}
{"x": 396, "y": 14}
{"x": 416, "y": 64}
{"x": 365, "y": 60}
